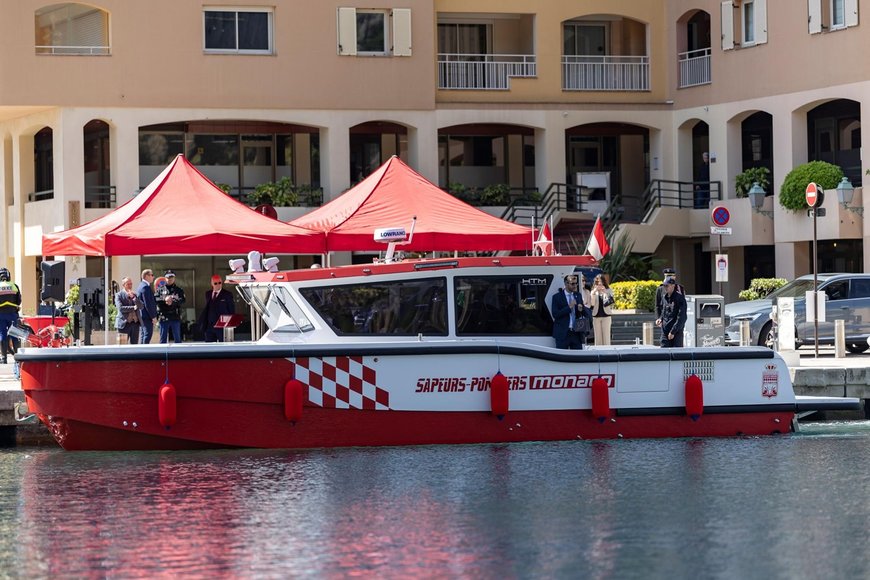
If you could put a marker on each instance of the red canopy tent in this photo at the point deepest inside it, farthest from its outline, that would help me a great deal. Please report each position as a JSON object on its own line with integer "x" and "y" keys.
{"x": 391, "y": 197}
{"x": 182, "y": 212}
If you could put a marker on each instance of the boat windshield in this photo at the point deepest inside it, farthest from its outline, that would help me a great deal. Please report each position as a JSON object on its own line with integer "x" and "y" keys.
{"x": 397, "y": 308}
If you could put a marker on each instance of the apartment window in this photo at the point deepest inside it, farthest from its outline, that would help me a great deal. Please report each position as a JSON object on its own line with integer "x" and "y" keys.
{"x": 830, "y": 15}
{"x": 748, "y": 18}
{"x": 464, "y": 38}
{"x": 748, "y": 22}
{"x": 374, "y": 32}
{"x": 73, "y": 29}
{"x": 838, "y": 13}
{"x": 232, "y": 31}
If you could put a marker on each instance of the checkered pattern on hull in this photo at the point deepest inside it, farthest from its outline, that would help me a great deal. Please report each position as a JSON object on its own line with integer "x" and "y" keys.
{"x": 341, "y": 382}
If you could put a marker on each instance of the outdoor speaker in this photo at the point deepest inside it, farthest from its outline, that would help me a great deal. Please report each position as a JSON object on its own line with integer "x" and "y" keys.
{"x": 53, "y": 275}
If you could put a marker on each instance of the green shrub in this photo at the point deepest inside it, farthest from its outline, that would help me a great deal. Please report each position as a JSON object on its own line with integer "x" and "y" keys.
{"x": 744, "y": 181}
{"x": 761, "y": 287}
{"x": 280, "y": 193}
{"x": 496, "y": 194}
{"x": 792, "y": 195}
{"x": 637, "y": 295}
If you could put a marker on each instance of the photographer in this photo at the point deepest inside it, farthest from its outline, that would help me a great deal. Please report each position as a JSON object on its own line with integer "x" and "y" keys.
{"x": 169, "y": 300}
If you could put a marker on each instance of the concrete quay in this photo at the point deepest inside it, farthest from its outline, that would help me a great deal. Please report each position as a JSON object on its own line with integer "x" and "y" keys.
{"x": 825, "y": 375}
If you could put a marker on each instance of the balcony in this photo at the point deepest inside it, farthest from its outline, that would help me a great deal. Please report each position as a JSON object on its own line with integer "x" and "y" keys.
{"x": 694, "y": 68}
{"x": 605, "y": 73}
{"x": 486, "y": 72}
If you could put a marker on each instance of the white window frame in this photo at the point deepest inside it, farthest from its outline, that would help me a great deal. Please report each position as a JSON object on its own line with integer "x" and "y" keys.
{"x": 237, "y": 10}
{"x": 397, "y": 31}
{"x": 747, "y": 18}
{"x": 837, "y": 25}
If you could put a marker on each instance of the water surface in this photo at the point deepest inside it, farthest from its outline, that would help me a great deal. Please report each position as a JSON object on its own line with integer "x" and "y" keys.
{"x": 793, "y": 506}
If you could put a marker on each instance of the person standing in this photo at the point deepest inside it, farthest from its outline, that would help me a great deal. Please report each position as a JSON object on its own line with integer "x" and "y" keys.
{"x": 660, "y": 292}
{"x": 218, "y": 302}
{"x": 169, "y": 300}
{"x": 10, "y": 303}
{"x": 673, "y": 315}
{"x": 127, "y": 304}
{"x": 602, "y": 307}
{"x": 567, "y": 307}
{"x": 702, "y": 183}
{"x": 147, "y": 307}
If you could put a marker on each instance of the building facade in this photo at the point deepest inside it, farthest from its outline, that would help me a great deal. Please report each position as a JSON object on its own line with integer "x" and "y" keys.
{"x": 96, "y": 98}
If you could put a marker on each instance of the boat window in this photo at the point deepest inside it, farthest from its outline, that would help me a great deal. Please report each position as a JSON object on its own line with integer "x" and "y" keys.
{"x": 282, "y": 296}
{"x": 503, "y": 305}
{"x": 260, "y": 298}
{"x": 395, "y": 308}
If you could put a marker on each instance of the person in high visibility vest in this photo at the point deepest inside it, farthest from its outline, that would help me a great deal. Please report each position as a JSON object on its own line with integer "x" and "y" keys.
{"x": 10, "y": 303}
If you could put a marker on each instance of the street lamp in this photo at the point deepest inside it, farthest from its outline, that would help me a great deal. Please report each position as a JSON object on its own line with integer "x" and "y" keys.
{"x": 845, "y": 191}
{"x": 756, "y": 200}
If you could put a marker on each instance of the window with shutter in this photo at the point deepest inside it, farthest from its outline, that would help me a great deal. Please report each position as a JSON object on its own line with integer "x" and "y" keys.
{"x": 71, "y": 29}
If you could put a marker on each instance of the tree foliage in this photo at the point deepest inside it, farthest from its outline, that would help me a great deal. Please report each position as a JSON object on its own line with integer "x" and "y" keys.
{"x": 792, "y": 195}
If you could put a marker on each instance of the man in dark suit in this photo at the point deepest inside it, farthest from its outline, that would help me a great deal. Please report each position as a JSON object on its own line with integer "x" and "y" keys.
{"x": 218, "y": 301}
{"x": 567, "y": 306}
{"x": 147, "y": 305}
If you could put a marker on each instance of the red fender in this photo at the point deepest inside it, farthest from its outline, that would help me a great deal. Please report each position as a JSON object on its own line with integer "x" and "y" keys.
{"x": 600, "y": 399}
{"x": 166, "y": 406}
{"x": 293, "y": 400}
{"x": 694, "y": 397}
{"x": 499, "y": 395}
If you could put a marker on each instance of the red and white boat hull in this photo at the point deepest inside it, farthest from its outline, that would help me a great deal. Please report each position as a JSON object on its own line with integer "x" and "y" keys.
{"x": 397, "y": 394}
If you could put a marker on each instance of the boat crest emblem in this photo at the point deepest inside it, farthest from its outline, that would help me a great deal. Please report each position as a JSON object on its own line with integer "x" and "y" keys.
{"x": 770, "y": 381}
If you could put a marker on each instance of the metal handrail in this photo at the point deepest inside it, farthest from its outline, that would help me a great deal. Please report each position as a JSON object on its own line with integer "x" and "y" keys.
{"x": 483, "y": 71}
{"x": 605, "y": 73}
{"x": 73, "y": 50}
{"x": 694, "y": 67}
{"x": 679, "y": 194}
{"x": 40, "y": 195}
{"x": 100, "y": 196}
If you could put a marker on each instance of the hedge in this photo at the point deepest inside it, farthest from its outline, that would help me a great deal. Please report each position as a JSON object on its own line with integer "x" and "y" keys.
{"x": 637, "y": 295}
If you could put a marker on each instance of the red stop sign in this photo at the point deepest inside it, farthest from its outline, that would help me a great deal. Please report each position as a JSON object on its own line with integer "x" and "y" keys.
{"x": 812, "y": 194}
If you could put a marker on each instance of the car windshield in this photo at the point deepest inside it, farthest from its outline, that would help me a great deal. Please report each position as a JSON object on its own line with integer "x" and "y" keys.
{"x": 794, "y": 289}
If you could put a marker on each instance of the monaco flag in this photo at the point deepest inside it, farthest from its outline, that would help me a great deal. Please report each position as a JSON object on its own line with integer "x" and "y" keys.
{"x": 544, "y": 243}
{"x": 597, "y": 246}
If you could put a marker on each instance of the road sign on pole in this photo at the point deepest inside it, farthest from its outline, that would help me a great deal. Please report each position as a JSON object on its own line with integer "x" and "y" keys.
{"x": 720, "y": 215}
{"x": 812, "y": 193}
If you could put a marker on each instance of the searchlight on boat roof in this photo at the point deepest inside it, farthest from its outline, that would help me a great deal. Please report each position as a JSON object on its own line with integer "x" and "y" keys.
{"x": 394, "y": 237}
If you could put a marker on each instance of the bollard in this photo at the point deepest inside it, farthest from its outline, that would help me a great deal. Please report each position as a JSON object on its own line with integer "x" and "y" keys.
{"x": 839, "y": 338}
{"x": 745, "y": 336}
{"x": 648, "y": 333}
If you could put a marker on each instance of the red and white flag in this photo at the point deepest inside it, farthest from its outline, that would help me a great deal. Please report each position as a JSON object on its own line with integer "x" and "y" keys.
{"x": 597, "y": 246}
{"x": 544, "y": 243}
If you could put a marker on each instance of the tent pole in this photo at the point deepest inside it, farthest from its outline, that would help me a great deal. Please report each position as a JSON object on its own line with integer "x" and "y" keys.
{"x": 108, "y": 297}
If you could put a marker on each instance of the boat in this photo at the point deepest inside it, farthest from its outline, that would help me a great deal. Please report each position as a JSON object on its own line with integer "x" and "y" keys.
{"x": 404, "y": 352}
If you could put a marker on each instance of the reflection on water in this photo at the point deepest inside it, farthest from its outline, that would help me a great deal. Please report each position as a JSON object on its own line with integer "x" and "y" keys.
{"x": 775, "y": 507}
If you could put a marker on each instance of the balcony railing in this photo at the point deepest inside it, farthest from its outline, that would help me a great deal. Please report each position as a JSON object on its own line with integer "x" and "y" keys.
{"x": 694, "y": 68}
{"x": 74, "y": 50}
{"x": 605, "y": 73}
{"x": 489, "y": 72}
{"x": 40, "y": 195}
{"x": 100, "y": 196}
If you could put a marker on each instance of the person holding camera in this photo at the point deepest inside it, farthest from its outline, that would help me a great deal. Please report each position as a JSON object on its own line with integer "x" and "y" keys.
{"x": 602, "y": 306}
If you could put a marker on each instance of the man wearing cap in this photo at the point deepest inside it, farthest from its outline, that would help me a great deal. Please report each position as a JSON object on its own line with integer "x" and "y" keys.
{"x": 218, "y": 301}
{"x": 673, "y": 314}
{"x": 567, "y": 306}
{"x": 660, "y": 293}
{"x": 169, "y": 300}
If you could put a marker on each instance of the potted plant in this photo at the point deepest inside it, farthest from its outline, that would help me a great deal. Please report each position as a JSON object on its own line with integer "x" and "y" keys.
{"x": 744, "y": 181}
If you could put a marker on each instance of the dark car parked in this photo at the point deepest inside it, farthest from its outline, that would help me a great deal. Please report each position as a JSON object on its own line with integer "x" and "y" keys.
{"x": 848, "y": 299}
